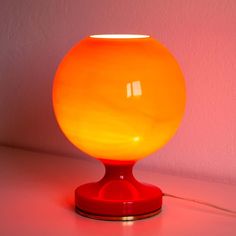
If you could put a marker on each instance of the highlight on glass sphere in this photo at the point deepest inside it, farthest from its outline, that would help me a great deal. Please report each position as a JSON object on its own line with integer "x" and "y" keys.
{"x": 119, "y": 97}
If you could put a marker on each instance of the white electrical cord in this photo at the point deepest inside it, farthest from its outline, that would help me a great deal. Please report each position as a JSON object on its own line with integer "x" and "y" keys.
{"x": 201, "y": 202}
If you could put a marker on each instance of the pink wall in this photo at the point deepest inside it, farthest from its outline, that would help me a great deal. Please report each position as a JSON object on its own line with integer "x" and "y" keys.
{"x": 201, "y": 34}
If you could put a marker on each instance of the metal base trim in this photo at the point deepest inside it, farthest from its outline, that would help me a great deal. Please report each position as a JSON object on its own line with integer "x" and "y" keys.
{"x": 117, "y": 218}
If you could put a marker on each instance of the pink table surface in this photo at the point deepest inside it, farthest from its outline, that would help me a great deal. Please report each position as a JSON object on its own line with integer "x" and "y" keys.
{"x": 36, "y": 198}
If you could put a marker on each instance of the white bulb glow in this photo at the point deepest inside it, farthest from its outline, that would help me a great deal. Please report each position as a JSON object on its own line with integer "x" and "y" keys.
{"x": 119, "y": 36}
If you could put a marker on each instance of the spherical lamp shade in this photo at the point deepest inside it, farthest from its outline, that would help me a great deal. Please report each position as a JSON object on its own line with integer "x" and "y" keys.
{"x": 118, "y": 98}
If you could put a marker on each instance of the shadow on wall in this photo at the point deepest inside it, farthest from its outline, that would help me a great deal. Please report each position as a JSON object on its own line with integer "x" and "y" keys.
{"x": 28, "y": 63}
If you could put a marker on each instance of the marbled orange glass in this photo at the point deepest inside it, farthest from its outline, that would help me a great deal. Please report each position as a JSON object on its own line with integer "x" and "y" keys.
{"x": 119, "y": 98}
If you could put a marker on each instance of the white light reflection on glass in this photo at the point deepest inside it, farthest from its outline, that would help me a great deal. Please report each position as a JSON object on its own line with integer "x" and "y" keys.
{"x": 133, "y": 89}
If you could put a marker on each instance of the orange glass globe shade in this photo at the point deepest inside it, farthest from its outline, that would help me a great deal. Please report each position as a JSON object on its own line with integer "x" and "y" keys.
{"x": 119, "y": 97}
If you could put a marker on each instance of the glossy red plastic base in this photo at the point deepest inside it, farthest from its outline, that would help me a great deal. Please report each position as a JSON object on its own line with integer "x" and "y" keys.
{"x": 118, "y": 195}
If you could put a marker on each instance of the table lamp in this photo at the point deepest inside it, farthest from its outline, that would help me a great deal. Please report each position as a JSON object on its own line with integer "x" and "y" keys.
{"x": 118, "y": 98}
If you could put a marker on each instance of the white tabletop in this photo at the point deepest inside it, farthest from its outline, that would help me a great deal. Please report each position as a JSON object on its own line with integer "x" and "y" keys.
{"x": 36, "y": 198}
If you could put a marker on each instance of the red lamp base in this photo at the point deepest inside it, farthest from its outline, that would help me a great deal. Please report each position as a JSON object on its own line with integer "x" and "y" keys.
{"x": 118, "y": 195}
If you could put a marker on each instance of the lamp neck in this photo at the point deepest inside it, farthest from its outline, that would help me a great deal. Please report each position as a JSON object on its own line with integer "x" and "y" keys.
{"x": 118, "y": 169}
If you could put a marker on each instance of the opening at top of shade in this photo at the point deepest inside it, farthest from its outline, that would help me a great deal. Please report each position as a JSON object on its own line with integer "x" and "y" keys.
{"x": 119, "y": 36}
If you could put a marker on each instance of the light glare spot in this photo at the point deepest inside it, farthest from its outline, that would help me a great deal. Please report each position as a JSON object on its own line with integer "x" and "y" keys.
{"x": 136, "y": 139}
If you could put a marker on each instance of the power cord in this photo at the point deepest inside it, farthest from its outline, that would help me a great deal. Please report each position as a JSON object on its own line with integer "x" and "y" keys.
{"x": 202, "y": 203}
